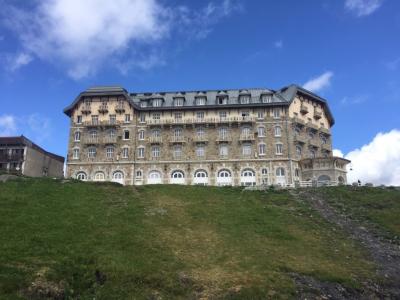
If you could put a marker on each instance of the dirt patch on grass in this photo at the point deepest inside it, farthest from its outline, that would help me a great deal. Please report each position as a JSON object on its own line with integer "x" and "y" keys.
{"x": 41, "y": 288}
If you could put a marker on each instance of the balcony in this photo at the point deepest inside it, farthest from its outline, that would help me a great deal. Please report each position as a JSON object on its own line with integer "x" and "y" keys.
{"x": 317, "y": 113}
{"x": 155, "y": 139}
{"x": 246, "y": 137}
{"x": 325, "y": 130}
{"x": 200, "y": 139}
{"x": 110, "y": 140}
{"x": 120, "y": 108}
{"x": 177, "y": 139}
{"x": 326, "y": 147}
{"x": 210, "y": 120}
{"x": 299, "y": 139}
{"x": 12, "y": 157}
{"x": 311, "y": 125}
{"x": 91, "y": 140}
{"x": 299, "y": 121}
{"x": 224, "y": 139}
{"x": 303, "y": 109}
{"x": 86, "y": 110}
{"x": 103, "y": 109}
{"x": 313, "y": 143}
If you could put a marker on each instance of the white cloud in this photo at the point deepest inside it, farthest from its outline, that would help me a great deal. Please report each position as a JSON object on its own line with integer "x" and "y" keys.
{"x": 337, "y": 152}
{"x": 278, "y": 44}
{"x": 377, "y": 162}
{"x": 362, "y": 7}
{"x": 8, "y": 125}
{"x": 318, "y": 83}
{"x": 84, "y": 35}
{"x": 19, "y": 60}
{"x": 354, "y": 99}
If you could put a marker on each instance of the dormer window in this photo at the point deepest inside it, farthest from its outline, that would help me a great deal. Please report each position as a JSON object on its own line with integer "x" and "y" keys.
{"x": 179, "y": 101}
{"x": 266, "y": 98}
{"x": 222, "y": 100}
{"x": 157, "y": 102}
{"x": 143, "y": 103}
{"x": 201, "y": 101}
{"x": 244, "y": 99}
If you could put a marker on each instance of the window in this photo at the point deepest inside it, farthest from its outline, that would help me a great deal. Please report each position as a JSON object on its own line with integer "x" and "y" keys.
{"x": 278, "y": 131}
{"x": 81, "y": 176}
{"x": 95, "y": 119}
{"x": 79, "y": 119}
{"x": 141, "y": 135}
{"x": 223, "y": 132}
{"x": 142, "y": 118}
{"x": 112, "y": 133}
{"x": 200, "y": 115}
{"x": 312, "y": 153}
{"x": 299, "y": 150}
{"x": 279, "y": 149}
{"x": 118, "y": 175}
{"x": 126, "y": 134}
{"x": 113, "y": 119}
{"x": 77, "y": 136}
{"x": 110, "y": 152}
{"x": 266, "y": 98}
{"x": 224, "y": 174}
{"x": 261, "y": 131}
{"x": 245, "y": 99}
{"x": 177, "y": 152}
{"x": 75, "y": 153}
{"x": 99, "y": 176}
{"x": 143, "y": 103}
{"x": 156, "y": 116}
{"x": 260, "y": 115}
{"x": 177, "y": 132}
{"x": 93, "y": 134}
{"x": 296, "y": 172}
{"x": 221, "y": 100}
{"x": 141, "y": 152}
{"x": 155, "y": 151}
{"x": 125, "y": 152}
{"x": 262, "y": 148}
{"x": 157, "y": 102}
{"x": 245, "y": 114}
{"x": 223, "y": 150}
{"x": 177, "y": 174}
{"x": 200, "y": 132}
{"x": 179, "y": 101}
{"x": 280, "y": 172}
{"x": 200, "y": 151}
{"x": 92, "y": 152}
{"x": 156, "y": 133}
{"x": 297, "y": 130}
{"x": 201, "y": 101}
{"x": 178, "y": 116}
{"x": 311, "y": 134}
{"x": 222, "y": 115}
{"x": 264, "y": 172}
{"x": 277, "y": 113}
{"x": 127, "y": 118}
{"x": 139, "y": 174}
{"x": 246, "y": 131}
{"x": 246, "y": 149}
{"x": 200, "y": 174}
{"x": 323, "y": 139}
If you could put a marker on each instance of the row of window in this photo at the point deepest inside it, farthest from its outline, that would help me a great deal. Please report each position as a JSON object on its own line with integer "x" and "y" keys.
{"x": 93, "y": 134}
{"x": 92, "y": 152}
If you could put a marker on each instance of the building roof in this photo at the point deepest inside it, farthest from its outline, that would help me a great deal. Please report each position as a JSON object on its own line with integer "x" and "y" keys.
{"x": 24, "y": 141}
{"x": 284, "y": 96}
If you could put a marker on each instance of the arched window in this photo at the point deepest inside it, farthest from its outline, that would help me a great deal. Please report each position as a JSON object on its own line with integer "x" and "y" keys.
{"x": 312, "y": 153}
{"x": 99, "y": 176}
{"x": 118, "y": 175}
{"x": 139, "y": 173}
{"x": 154, "y": 175}
{"x": 224, "y": 173}
{"x": 278, "y": 131}
{"x": 200, "y": 174}
{"x": 81, "y": 176}
{"x": 248, "y": 173}
{"x": 280, "y": 172}
{"x": 298, "y": 150}
{"x": 177, "y": 174}
{"x": 264, "y": 172}
{"x": 77, "y": 136}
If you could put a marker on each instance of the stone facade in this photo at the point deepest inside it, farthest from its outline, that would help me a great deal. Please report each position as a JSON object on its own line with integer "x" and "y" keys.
{"x": 227, "y": 137}
{"x": 19, "y": 155}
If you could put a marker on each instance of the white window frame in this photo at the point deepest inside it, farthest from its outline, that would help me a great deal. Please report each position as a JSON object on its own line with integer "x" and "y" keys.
{"x": 110, "y": 151}
{"x": 262, "y": 149}
{"x": 75, "y": 153}
{"x": 155, "y": 152}
{"x": 261, "y": 131}
{"x": 247, "y": 150}
{"x": 141, "y": 136}
{"x": 278, "y": 131}
{"x": 92, "y": 152}
{"x": 77, "y": 136}
{"x": 140, "y": 152}
{"x": 279, "y": 149}
{"x": 125, "y": 152}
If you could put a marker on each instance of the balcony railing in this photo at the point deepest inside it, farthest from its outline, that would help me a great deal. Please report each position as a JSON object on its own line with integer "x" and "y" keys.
{"x": 246, "y": 137}
{"x": 120, "y": 108}
{"x": 325, "y": 130}
{"x": 110, "y": 139}
{"x": 317, "y": 113}
{"x": 103, "y": 109}
{"x": 210, "y": 120}
{"x": 177, "y": 139}
{"x": 86, "y": 109}
{"x": 311, "y": 125}
{"x": 299, "y": 121}
{"x": 326, "y": 147}
{"x": 12, "y": 157}
{"x": 303, "y": 109}
{"x": 155, "y": 139}
{"x": 102, "y": 123}
{"x": 91, "y": 140}
{"x": 313, "y": 143}
{"x": 224, "y": 139}
{"x": 299, "y": 139}
{"x": 200, "y": 139}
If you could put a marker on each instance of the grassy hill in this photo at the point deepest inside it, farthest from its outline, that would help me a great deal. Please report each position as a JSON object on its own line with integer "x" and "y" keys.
{"x": 79, "y": 240}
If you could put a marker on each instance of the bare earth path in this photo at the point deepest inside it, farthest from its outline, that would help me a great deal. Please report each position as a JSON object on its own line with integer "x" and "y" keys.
{"x": 385, "y": 255}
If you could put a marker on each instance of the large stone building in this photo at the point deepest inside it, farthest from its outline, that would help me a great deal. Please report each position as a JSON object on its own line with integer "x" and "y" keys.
{"x": 19, "y": 155}
{"x": 215, "y": 137}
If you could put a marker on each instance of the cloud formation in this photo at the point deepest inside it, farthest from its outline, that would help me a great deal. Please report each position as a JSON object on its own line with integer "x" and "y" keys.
{"x": 84, "y": 35}
{"x": 19, "y": 60}
{"x": 377, "y": 162}
{"x": 362, "y": 7}
{"x": 316, "y": 84}
{"x": 8, "y": 125}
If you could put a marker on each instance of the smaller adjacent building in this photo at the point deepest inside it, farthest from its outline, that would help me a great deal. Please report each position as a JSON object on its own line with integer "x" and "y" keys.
{"x": 19, "y": 155}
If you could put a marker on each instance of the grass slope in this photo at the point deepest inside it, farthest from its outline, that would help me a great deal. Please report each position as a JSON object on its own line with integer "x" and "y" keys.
{"x": 105, "y": 241}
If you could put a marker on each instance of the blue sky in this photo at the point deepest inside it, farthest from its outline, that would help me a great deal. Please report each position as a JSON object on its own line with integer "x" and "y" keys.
{"x": 347, "y": 51}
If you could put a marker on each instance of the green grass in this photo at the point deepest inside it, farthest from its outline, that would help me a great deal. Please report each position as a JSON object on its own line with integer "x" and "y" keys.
{"x": 170, "y": 241}
{"x": 379, "y": 206}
